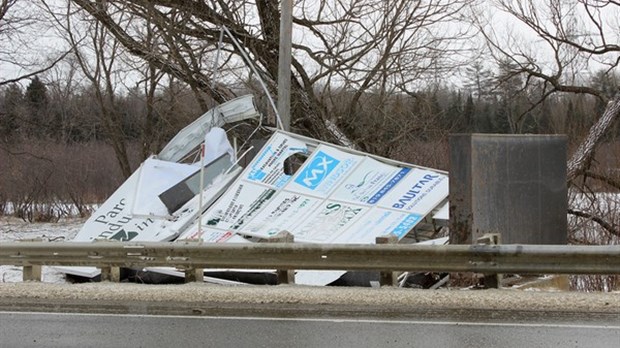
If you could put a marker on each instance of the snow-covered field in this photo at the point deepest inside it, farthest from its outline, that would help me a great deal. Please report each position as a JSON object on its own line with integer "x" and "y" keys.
{"x": 14, "y": 229}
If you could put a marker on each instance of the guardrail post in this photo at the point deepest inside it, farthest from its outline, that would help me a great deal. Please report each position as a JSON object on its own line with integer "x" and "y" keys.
{"x": 194, "y": 275}
{"x": 491, "y": 280}
{"x": 111, "y": 274}
{"x": 387, "y": 277}
{"x": 32, "y": 273}
{"x": 285, "y": 276}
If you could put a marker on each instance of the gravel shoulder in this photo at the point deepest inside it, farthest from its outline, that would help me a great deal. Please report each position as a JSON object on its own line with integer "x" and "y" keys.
{"x": 206, "y": 299}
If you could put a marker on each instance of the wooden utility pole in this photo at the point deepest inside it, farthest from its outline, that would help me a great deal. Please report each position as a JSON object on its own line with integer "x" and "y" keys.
{"x": 284, "y": 63}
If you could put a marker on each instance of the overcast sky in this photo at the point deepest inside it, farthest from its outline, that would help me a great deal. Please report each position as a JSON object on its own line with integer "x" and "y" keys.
{"x": 40, "y": 43}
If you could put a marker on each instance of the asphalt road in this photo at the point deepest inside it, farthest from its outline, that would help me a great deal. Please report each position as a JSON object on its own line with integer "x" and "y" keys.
{"x": 22, "y": 329}
{"x": 199, "y": 315}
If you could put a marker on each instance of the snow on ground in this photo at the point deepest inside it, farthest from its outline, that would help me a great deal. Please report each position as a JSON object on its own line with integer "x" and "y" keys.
{"x": 14, "y": 229}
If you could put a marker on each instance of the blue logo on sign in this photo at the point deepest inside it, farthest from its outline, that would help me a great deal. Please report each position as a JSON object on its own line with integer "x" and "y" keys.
{"x": 395, "y": 180}
{"x": 406, "y": 225}
{"x": 315, "y": 172}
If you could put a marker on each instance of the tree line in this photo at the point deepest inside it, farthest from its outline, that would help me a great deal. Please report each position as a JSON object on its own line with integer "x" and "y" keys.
{"x": 486, "y": 103}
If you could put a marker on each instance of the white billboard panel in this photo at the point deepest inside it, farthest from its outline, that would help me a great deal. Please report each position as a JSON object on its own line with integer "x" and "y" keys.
{"x": 336, "y": 196}
{"x": 284, "y": 212}
{"x": 323, "y": 171}
{"x": 242, "y": 201}
{"x": 418, "y": 193}
{"x": 328, "y": 222}
{"x": 370, "y": 181}
{"x": 268, "y": 165}
{"x": 115, "y": 218}
{"x": 212, "y": 235}
{"x": 155, "y": 177}
{"x": 379, "y": 222}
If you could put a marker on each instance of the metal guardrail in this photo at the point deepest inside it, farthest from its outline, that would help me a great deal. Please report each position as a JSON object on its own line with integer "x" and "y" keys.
{"x": 193, "y": 256}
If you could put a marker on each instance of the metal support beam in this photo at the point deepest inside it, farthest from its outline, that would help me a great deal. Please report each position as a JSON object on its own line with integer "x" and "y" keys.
{"x": 284, "y": 63}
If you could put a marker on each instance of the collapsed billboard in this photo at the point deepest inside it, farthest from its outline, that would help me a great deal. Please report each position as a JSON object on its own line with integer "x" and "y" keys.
{"x": 336, "y": 196}
{"x": 319, "y": 192}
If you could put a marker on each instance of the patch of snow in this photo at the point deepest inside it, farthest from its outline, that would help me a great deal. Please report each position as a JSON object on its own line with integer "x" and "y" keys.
{"x": 13, "y": 229}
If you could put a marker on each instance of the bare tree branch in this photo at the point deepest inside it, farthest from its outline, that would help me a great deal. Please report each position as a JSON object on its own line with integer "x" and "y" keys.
{"x": 36, "y": 72}
{"x": 580, "y": 161}
{"x": 602, "y": 222}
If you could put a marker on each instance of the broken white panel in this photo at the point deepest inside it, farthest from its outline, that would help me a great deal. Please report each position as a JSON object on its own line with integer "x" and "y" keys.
{"x": 418, "y": 193}
{"x": 155, "y": 177}
{"x": 217, "y": 144}
{"x": 240, "y": 202}
{"x": 185, "y": 216}
{"x": 443, "y": 213}
{"x": 267, "y": 167}
{"x": 190, "y": 137}
{"x": 81, "y": 271}
{"x": 114, "y": 219}
{"x": 317, "y": 278}
{"x": 323, "y": 171}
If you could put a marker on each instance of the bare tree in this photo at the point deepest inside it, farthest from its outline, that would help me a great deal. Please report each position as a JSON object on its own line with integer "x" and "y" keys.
{"x": 19, "y": 54}
{"x": 563, "y": 41}
{"x": 356, "y": 45}
{"x": 97, "y": 54}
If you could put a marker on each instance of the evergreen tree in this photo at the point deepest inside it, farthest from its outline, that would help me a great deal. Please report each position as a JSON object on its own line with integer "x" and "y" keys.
{"x": 544, "y": 120}
{"x": 483, "y": 118}
{"x": 512, "y": 99}
{"x": 500, "y": 123}
{"x": 454, "y": 114}
{"x": 36, "y": 94}
{"x": 529, "y": 124}
{"x": 607, "y": 82}
{"x": 36, "y": 99}
{"x": 435, "y": 112}
{"x": 479, "y": 81}
{"x": 469, "y": 113}
{"x": 11, "y": 110}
